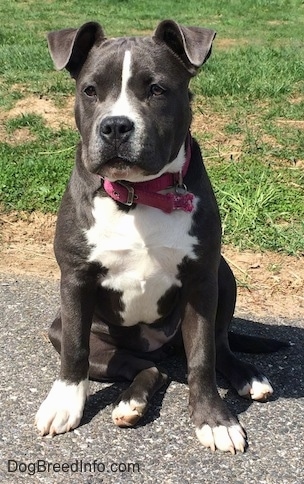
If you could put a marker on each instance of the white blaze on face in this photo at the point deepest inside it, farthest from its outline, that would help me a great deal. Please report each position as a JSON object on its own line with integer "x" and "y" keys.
{"x": 123, "y": 106}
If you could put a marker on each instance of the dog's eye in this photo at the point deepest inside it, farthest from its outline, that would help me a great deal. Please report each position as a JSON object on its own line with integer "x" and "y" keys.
{"x": 156, "y": 90}
{"x": 90, "y": 91}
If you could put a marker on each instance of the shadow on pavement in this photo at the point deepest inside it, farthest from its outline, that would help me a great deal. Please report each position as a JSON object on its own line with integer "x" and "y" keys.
{"x": 284, "y": 369}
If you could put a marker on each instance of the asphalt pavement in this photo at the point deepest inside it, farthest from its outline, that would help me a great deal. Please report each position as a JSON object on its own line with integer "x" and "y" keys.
{"x": 163, "y": 449}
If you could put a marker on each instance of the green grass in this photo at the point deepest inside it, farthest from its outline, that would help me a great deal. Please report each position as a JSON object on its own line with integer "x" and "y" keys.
{"x": 254, "y": 203}
{"x": 36, "y": 172}
{"x": 249, "y": 98}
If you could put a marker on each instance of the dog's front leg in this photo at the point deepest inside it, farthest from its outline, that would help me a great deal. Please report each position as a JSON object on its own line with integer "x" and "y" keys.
{"x": 215, "y": 426}
{"x": 62, "y": 410}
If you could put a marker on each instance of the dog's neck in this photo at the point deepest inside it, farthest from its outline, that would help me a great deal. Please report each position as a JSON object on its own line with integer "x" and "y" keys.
{"x": 147, "y": 193}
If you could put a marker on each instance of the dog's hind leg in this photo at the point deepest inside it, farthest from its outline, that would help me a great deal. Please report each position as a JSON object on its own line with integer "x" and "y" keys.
{"x": 133, "y": 402}
{"x": 248, "y": 381}
{"x": 108, "y": 362}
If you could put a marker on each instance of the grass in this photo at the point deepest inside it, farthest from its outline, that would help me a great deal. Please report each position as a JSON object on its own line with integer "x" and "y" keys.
{"x": 254, "y": 204}
{"x": 248, "y": 108}
{"x": 38, "y": 170}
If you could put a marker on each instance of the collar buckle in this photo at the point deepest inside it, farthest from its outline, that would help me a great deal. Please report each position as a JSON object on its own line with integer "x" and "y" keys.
{"x": 130, "y": 194}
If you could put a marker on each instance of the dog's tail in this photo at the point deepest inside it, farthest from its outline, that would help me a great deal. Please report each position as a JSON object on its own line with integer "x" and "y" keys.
{"x": 254, "y": 344}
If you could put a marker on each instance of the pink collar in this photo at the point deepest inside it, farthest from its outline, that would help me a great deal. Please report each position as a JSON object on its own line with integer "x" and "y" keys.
{"x": 146, "y": 193}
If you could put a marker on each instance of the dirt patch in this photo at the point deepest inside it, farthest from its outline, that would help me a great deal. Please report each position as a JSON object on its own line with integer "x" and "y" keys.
{"x": 224, "y": 143}
{"x": 18, "y": 137}
{"x": 277, "y": 22}
{"x": 216, "y": 139}
{"x": 296, "y": 100}
{"x": 293, "y": 123}
{"x": 54, "y": 117}
{"x": 227, "y": 43}
{"x": 269, "y": 283}
{"x": 26, "y": 244}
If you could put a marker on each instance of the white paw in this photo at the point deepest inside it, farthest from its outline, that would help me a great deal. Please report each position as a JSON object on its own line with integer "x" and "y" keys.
{"x": 126, "y": 414}
{"x": 62, "y": 409}
{"x": 230, "y": 439}
{"x": 257, "y": 390}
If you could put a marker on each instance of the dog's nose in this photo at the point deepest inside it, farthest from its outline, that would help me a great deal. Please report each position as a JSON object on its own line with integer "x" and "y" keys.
{"x": 117, "y": 128}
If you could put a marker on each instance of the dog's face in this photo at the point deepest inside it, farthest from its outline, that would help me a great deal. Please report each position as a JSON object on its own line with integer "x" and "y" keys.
{"x": 132, "y": 103}
{"x": 132, "y": 109}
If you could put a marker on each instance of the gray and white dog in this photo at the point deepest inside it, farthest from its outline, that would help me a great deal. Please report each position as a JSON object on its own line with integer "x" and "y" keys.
{"x": 138, "y": 238}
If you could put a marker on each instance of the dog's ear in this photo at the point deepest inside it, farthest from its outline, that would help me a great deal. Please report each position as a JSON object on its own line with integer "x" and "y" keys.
{"x": 192, "y": 44}
{"x": 69, "y": 48}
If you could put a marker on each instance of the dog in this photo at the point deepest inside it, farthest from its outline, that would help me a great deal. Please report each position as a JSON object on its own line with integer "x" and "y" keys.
{"x": 138, "y": 238}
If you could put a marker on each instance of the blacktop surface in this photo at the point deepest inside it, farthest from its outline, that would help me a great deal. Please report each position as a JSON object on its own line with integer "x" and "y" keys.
{"x": 163, "y": 448}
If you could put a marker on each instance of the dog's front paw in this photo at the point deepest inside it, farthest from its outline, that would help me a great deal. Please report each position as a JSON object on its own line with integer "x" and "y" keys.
{"x": 62, "y": 409}
{"x": 227, "y": 439}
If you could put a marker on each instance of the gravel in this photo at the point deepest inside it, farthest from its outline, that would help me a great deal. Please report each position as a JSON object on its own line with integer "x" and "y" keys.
{"x": 163, "y": 448}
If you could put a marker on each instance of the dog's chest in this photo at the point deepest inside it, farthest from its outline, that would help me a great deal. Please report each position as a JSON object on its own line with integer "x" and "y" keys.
{"x": 141, "y": 251}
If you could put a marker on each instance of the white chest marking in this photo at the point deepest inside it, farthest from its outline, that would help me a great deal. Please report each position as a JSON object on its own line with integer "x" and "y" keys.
{"x": 141, "y": 250}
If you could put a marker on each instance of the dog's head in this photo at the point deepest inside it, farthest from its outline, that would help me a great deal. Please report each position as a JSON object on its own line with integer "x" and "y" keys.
{"x": 132, "y": 103}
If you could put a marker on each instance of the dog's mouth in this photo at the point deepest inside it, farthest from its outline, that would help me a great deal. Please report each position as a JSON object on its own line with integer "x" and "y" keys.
{"x": 120, "y": 169}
